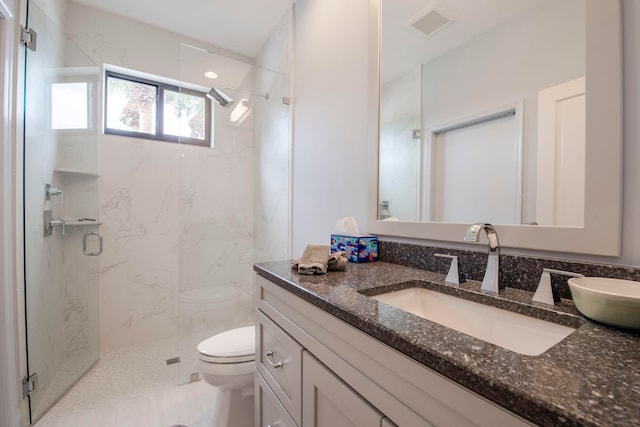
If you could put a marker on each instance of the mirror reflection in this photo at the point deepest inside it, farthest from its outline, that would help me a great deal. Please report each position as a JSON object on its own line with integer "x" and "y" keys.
{"x": 482, "y": 111}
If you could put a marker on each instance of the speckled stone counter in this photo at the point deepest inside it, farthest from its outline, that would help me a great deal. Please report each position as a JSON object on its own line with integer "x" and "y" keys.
{"x": 590, "y": 378}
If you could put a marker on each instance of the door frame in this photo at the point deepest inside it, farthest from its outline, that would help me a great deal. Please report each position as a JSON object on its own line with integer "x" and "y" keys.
{"x": 427, "y": 167}
{"x": 547, "y": 149}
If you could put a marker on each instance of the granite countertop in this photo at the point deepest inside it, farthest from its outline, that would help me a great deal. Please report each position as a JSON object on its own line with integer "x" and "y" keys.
{"x": 590, "y": 378}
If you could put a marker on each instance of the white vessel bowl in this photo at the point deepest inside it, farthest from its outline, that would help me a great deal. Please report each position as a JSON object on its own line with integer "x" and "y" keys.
{"x": 614, "y": 302}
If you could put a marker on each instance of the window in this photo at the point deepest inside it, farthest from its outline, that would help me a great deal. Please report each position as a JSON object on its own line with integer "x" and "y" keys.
{"x": 148, "y": 109}
{"x": 69, "y": 106}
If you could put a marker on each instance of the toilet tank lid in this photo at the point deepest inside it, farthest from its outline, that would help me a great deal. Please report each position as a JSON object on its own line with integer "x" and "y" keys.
{"x": 209, "y": 294}
{"x": 232, "y": 343}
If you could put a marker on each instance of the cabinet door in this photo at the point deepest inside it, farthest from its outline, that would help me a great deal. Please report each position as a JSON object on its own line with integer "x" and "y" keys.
{"x": 328, "y": 402}
{"x": 269, "y": 410}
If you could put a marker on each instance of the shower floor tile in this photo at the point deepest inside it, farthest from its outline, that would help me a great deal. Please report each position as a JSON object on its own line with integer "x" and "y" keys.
{"x": 190, "y": 405}
{"x": 134, "y": 386}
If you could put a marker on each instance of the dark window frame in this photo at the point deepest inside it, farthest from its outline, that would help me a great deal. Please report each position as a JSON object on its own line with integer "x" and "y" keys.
{"x": 159, "y": 125}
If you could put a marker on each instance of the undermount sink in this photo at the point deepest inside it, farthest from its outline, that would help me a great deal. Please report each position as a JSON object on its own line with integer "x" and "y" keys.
{"x": 516, "y": 332}
{"x": 613, "y": 302}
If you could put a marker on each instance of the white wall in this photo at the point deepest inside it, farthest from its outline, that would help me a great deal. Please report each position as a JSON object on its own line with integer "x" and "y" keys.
{"x": 631, "y": 160}
{"x": 330, "y": 154}
{"x": 506, "y": 64}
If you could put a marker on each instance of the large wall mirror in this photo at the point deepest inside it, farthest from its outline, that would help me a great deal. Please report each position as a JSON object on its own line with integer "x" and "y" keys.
{"x": 500, "y": 111}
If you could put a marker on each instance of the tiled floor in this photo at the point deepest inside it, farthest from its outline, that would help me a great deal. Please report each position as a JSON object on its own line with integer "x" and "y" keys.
{"x": 135, "y": 387}
{"x": 190, "y": 405}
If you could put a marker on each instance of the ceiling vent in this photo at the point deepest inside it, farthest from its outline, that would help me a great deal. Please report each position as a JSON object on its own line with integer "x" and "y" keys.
{"x": 431, "y": 19}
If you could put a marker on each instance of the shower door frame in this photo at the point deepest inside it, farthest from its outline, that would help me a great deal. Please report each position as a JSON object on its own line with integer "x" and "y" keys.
{"x": 11, "y": 349}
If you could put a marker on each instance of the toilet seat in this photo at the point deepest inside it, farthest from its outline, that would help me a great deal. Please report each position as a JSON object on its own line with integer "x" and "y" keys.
{"x": 230, "y": 347}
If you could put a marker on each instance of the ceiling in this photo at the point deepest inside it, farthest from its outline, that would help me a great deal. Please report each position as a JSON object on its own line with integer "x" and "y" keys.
{"x": 403, "y": 48}
{"x": 241, "y": 26}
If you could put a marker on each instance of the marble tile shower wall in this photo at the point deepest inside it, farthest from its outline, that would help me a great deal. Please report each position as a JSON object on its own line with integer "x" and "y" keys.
{"x": 175, "y": 218}
{"x": 518, "y": 272}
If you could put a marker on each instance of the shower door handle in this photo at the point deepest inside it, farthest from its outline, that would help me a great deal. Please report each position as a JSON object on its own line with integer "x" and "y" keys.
{"x": 84, "y": 244}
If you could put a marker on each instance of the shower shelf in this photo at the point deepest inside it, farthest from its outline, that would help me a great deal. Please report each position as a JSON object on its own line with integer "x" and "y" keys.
{"x": 76, "y": 171}
{"x": 75, "y": 222}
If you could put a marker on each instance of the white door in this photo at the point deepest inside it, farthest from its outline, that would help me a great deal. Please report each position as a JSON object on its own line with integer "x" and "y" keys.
{"x": 475, "y": 169}
{"x": 561, "y": 154}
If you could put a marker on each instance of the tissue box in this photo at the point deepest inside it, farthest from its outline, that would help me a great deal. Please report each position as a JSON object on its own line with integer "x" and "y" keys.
{"x": 358, "y": 248}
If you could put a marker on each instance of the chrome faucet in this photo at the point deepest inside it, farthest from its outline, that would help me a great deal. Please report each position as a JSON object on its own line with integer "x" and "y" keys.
{"x": 491, "y": 282}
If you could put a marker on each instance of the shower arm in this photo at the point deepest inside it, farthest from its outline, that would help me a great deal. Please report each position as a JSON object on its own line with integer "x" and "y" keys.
{"x": 265, "y": 96}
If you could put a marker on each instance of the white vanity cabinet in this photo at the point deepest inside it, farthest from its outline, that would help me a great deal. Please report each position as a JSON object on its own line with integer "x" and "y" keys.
{"x": 329, "y": 402}
{"x": 315, "y": 370}
{"x": 293, "y": 388}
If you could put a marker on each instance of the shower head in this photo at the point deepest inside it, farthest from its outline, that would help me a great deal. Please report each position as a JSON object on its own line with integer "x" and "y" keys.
{"x": 220, "y": 97}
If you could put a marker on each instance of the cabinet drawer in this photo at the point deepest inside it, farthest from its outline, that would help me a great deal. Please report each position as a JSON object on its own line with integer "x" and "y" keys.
{"x": 279, "y": 360}
{"x": 269, "y": 410}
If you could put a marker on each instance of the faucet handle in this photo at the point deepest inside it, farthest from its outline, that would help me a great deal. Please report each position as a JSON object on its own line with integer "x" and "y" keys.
{"x": 545, "y": 293}
{"x": 452, "y": 277}
{"x": 472, "y": 233}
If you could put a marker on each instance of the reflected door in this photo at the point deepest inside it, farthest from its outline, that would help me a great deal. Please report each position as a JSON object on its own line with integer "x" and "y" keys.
{"x": 61, "y": 227}
{"x": 475, "y": 171}
{"x": 561, "y": 154}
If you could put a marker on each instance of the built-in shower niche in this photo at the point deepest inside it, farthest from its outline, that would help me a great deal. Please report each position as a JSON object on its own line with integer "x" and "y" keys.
{"x": 78, "y": 206}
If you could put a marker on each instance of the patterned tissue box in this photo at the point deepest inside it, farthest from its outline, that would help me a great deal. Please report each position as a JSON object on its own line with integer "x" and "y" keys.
{"x": 358, "y": 248}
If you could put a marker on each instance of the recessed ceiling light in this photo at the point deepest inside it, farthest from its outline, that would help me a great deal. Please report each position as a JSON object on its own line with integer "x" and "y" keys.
{"x": 211, "y": 75}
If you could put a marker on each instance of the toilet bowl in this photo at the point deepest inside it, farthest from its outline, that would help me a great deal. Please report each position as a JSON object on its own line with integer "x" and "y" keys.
{"x": 227, "y": 361}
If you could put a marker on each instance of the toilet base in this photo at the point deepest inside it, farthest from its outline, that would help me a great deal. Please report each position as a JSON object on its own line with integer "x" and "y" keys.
{"x": 234, "y": 408}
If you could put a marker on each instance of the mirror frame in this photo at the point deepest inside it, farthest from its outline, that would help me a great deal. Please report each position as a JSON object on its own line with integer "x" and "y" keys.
{"x": 601, "y": 234}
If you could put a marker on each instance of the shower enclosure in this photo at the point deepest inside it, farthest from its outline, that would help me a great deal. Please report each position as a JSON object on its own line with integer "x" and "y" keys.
{"x": 61, "y": 224}
{"x": 181, "y": 224}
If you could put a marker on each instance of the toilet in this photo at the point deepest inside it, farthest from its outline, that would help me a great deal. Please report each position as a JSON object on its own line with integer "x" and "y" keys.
{"x": 227, "y": 361}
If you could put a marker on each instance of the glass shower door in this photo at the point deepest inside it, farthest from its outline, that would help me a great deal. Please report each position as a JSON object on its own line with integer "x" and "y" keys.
{"x": 61, "y": 228}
